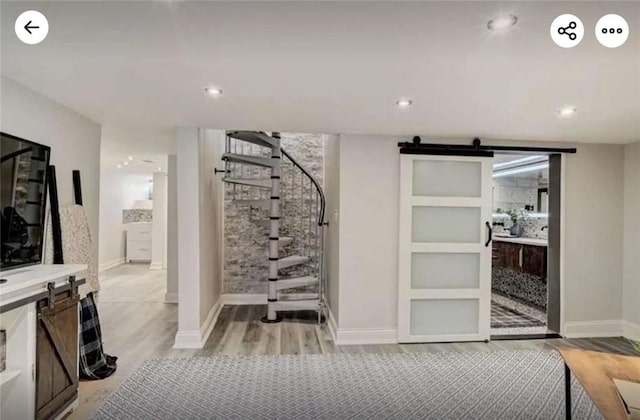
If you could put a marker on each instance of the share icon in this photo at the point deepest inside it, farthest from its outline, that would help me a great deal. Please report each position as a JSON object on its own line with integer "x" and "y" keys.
{"x": 563, "y": 30}
{"x": 566, "y": 30}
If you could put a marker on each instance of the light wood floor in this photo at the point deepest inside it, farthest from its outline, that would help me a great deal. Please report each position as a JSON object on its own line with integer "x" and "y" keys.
{"x": 137, "y": 325}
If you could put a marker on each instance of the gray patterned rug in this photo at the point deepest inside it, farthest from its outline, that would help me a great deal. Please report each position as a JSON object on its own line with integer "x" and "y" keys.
{"x": 483, "y": 385}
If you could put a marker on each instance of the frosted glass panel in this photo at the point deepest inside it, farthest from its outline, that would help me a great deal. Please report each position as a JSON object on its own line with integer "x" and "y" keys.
{"x": 445, "y": 271}
{"x": 444, "y": 316}
{"x": 447, "y": 178}
{"x": 446, "y": 224}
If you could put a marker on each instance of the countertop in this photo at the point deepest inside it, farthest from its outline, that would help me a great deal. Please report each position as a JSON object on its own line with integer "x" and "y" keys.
{"x": 24, "y": 282}
{"x": 522, "y": 241}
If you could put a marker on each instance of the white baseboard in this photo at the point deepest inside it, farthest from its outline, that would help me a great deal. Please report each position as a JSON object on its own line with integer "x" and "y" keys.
{"x": 630, "y": 330}
{"x": 353, "y": 336}
{"x": 196, "y": 339}
{"x": 332, "y": 323}
{"x": 171, "y": 297}
{"x": 244, "y": 299}
{"x": 210, "y": 322}
{"x": 155, "y": 265}
{"x": 111, "y": 264}
{"x": 588, "y": 329}
{"x": 191, "y": 339}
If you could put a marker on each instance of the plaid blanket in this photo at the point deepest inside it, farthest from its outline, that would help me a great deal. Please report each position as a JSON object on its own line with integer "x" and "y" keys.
{"x": 94, "y": 363}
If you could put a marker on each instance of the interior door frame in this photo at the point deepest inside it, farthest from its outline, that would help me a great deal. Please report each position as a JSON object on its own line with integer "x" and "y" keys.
{"x": 406, "y": 247}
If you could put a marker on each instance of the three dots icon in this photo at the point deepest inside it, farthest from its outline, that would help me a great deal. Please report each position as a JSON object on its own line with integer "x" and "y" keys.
{"x": 612, "y": 30}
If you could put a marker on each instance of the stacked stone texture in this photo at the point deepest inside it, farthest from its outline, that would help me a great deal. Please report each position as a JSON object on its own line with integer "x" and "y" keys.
{"x": 246, "y": 242}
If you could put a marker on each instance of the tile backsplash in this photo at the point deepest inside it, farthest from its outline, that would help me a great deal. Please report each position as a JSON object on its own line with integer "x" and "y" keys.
{"x": 136, "y": 215}
{"x": 532, "y": 226}
{"x": 515, "y": 192}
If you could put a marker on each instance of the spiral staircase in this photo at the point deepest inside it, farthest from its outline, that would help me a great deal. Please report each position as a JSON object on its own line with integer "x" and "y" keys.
{"x": 288, "y": 203}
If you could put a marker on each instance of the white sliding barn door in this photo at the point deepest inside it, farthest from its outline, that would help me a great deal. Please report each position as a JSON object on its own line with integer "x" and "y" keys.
{"x": 444, "y": 248}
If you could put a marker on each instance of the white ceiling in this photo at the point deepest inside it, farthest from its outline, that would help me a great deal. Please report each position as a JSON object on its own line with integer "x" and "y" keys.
{"x": 146, "y": 145}
{"x": 334, "y": 67}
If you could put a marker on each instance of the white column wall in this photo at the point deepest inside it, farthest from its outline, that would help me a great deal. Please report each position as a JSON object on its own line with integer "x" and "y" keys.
{"x": 188, "y": 334}
{"x": 159, "y": 222}
{"x": 199, "y": 234}
{"x": 332, "y": 193}
{"x": 211, "y": 148}
{"x": 171, "y": 295}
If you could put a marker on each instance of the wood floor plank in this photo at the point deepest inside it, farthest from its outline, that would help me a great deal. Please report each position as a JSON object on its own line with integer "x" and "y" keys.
{"x": 272, "y": 339}
{"x": 309, "y": 339}
{"x": 289, "y": 339}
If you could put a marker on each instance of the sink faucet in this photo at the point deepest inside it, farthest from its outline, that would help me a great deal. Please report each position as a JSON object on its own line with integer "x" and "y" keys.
{"x": 544, "y": 227}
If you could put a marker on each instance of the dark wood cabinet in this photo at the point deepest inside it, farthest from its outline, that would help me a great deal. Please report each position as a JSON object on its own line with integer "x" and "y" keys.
{"x": 56, "y": 355}
{"x": 534, "y": 260}
{"x": 508, "y": 254}
{"x": 529, "y": 259}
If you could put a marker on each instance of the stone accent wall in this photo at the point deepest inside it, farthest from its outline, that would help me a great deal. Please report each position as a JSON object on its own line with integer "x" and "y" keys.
{"x": 246, "y": 239}
{"x": 136, "y": 215}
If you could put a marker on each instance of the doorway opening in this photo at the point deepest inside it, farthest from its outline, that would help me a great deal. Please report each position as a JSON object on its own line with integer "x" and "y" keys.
{"x": 524, "y": 294}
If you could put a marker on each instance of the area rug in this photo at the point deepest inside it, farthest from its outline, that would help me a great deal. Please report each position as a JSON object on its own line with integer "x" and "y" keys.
{"x": 505, "y": 317}
{"x": 452, "y": 385}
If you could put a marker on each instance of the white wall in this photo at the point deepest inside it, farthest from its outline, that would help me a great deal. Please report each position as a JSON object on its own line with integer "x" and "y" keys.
{"x": 171, "y": 295}
{"x": 74, "y": 142}
{"x": 200, "y": 234}
{"x": 159, "y": 221}
{"x": 134, "y": 188}
{"x": 368, "y": 232}
{"x": 368, "y": 236}
{"x": 211, "y": 191}
{"x": 631, "y": 270}
{"x": 118, "y": 191}
{"x": 593, "y": 236}
{"x": 332, "y": 192}
{"x": 189, "y": 334}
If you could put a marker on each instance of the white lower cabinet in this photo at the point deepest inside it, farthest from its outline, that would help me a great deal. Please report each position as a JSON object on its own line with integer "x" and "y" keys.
{"x": 138, "y": 241}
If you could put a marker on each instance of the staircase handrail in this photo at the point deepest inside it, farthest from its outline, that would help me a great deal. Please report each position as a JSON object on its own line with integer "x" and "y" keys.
{"x": 315, "y": 183}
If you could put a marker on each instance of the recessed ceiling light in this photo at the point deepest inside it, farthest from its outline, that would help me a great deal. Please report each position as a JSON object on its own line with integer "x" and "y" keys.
{"x": 500, "y": 23}
{"x": 567, "y": 111}
{"x": 125, "y": 163}
{"x": 118, "y": 166}
{"x": 213, "y": 91}
{"x": 404, "y": 103}
{"x": 159, "y": 168}
{"x": 130, "y": 158}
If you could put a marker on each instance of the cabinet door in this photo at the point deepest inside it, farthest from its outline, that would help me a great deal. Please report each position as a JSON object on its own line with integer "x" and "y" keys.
{"x": 56, "y": 355}
{"x": 498, "y": 254}
{"x": 535, "y": 260}
{"x": 512, "y": 257}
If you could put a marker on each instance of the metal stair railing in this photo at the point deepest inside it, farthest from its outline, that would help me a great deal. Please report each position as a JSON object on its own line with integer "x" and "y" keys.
{"x": 301, "y": 209}
{"x": 315, "y": 221}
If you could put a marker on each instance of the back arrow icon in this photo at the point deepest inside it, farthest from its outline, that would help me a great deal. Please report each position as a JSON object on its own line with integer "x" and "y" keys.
{"x": 27, "y": 27}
